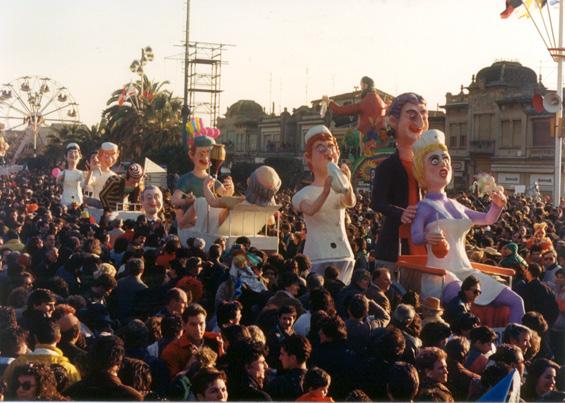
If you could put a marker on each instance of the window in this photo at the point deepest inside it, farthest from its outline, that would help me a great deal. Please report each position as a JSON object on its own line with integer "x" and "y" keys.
{"x": 458, "y": 135}
{"x": 463, "y": 135}
{"x": 483, "y": 126}
{"x": 542, "y": 133}
{"x": 511, "y": 133}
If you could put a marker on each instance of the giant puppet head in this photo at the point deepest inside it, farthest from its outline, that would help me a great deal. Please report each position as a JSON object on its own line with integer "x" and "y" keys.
{"x": 408, "y": 116}
{"x": 152, "y": 201}
{"x": 321, "y": 148}
{"x": 108, "y": 155}
{"x": 432, "y": 163}
{"x": 73, "y": 155}
{"x": 199, "y": 152}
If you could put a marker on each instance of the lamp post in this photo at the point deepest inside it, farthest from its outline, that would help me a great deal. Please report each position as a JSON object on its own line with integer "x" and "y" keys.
{"x": 136, "y": 66}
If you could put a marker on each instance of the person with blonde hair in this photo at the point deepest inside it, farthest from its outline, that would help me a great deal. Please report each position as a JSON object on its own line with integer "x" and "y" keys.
{"x": 4, "y": 146}
{"x": 442, "y": 223}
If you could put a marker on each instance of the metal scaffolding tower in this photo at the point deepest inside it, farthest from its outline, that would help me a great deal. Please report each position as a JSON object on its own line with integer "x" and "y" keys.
{"x": 205, "y": 78}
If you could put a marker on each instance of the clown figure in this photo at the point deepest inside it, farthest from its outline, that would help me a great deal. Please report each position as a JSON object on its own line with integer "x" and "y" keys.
{"x": 323, "y": 208}
{"x": 72, "y": 178}
{"x": 440, "y": 220}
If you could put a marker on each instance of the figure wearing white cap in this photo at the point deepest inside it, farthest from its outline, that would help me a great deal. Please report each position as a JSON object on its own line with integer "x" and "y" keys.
{"x": 323, "y": 205}
{"x": 72, "y": 178}
{"x": 442, "y": 223}
{"x": 100, "y": 168}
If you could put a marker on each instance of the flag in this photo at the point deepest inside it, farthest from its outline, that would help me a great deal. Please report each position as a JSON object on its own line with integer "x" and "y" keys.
{"x": 511, "y": 5}
{"x": 127, "y": 92}
{"x": 122, "y": 97}
{"x": 506, "y": 390}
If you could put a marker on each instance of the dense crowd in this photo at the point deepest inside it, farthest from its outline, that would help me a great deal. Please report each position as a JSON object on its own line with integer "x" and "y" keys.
{"x": 121, "y": 311}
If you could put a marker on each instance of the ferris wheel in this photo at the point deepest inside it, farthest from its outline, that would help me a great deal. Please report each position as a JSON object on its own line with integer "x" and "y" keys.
{"x": 30, "y": 102}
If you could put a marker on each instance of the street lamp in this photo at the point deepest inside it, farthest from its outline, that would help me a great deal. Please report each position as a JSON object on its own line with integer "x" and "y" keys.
{"x": 136, "y": 66}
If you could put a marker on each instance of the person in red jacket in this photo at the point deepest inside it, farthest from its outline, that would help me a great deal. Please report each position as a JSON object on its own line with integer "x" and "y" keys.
{"x": 370, "y": 111}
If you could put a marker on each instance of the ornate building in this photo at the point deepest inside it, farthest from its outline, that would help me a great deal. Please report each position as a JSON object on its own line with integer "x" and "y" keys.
{"x": 491, "y": 126}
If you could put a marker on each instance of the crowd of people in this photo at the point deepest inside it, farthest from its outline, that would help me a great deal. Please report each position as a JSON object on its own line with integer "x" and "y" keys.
{"x": 114, "y": 310}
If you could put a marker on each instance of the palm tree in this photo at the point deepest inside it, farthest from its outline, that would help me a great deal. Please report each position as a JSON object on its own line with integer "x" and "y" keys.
{"x": 89, "y": 139}
{"x": 147, "y": 121}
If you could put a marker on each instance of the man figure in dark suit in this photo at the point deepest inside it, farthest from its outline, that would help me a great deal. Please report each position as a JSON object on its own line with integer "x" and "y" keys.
{"x": 395, "y": 190}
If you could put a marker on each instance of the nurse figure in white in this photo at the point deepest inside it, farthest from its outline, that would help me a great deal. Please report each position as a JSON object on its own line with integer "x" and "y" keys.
{"x": 72, "y": 178}
{"x": 324, "y": 208}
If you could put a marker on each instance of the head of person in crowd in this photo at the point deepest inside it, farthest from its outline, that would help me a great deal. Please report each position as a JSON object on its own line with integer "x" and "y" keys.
{"x": 482, "y": 339}
{"x": 209, "y": 385}
{"x": 457, "y": 349}
{"x": 518, "y": 335}
{"x": 361, "y": 279}
{"x": 12, "y": 342}
{"x": 33, "y": 381}
{"x": 388, "y": 347}
{"x": 510, "y": 355}
{"x": 194, "y": 323}
{"x": 464, "y": 323}
{"x": 540, "y": 379}
{"x": 358, "y": 307}
{"x": 402, "y": 382}
{"x": 290, "y": 282}
{"x": 332, "y": 329}
{"x": 382, "y": 278}
{"x": 403, "y": 316}
{"x": 535, "y": 321}
{"x": 286, "y": 316}
{"x": 471, "y": 288}
{"x": 228, "y": 313}
{"x": 42, "y": 300}
{"x": 295, "y": 352}
{"x": 432, "y": 365}
{"x": 317, "y": 381}
{"x": 176, "y": 300}
{"x": 408, "y": 117}
{"x": 435, "y": 334}
{"x": 105, "y": 355}
{"x": 137, "y": 374}
{"x": 249, "y": 358}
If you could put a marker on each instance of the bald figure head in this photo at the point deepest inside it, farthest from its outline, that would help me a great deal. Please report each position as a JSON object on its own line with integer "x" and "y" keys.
{"x": 262, "y": 185}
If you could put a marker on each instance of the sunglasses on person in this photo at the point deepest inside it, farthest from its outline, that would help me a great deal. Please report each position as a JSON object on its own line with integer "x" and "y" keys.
{"x": 476, "y": 292}
{"x": 27, "y": 385}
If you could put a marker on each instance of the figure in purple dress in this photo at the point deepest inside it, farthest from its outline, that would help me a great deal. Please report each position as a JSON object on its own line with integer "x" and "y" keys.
{"x": 440, "y": 220}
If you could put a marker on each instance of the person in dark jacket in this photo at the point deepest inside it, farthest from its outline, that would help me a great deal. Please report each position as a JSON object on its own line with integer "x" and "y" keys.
{"x": 102, "y": 383}
{"x": 432, "y": 367}
{"x": 470, "y": 290}
{"x": 287, "y": 385}
{"x": 538, "y": 296}
{"x": 458, "y": 378}
{"x": 395, "y": 190}
{"x": 247, "y": 371}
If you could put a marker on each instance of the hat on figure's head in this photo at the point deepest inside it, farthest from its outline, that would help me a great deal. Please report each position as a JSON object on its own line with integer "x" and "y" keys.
{"x": 135, "y": 171}
{"x": 108, "y": 146}
{"x": 314, "y": 130}
{"x": 72, "y": 146}
{"x": 203, "y": 141}
{"x": 427, "y": 139}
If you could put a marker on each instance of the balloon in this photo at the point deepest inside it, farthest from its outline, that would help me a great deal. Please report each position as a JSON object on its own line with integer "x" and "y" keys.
{"x": 55, "y": 172}
{"x": 208, "y": 132}
{"x": 217, "y": 133}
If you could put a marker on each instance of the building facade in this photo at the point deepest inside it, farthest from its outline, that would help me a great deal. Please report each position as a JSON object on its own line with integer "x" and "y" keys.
{"x": 491, "y": 126}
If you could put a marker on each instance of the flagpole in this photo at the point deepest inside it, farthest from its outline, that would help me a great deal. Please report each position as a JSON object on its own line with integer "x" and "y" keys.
{"x": 559, "y": 116}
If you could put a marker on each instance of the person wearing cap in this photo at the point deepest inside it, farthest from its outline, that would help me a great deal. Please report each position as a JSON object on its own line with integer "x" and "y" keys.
{"x": 72, "y": 178}
{"x": 122, "y": 189}
{"x": 190, "y": 185}
{"x": 370, "y": 111}
{"x": 395, "y": 190}
{"x": 440, "y": 220}
{"x": 323, "y": 208}
{"x": 432, "y": 311}
{"x": 100, "y": 168}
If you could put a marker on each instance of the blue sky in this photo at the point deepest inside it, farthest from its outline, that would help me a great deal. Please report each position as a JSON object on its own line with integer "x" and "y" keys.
{"x": 303, "y": 48}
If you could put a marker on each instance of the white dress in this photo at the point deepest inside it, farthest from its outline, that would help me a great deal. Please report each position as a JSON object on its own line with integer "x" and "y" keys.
{"x": 326, "y": 238}
{"x": 97, "y": 182}
{"x": 72, "y": 186}
{"x": 456, "y": 263}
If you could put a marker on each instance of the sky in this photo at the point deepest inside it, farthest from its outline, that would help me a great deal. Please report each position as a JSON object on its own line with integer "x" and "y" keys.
{"x": 287, "y": 52}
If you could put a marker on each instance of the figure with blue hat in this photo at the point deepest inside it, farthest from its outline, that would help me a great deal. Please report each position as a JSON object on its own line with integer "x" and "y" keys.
{"x": 190, "y": 185}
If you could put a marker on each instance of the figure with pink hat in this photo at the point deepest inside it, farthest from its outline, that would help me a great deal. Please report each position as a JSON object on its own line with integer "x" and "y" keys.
{"x": 323, "y": 205}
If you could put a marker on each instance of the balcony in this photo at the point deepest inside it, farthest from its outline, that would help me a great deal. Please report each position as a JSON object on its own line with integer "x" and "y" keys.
{"x": 485, "y": 147}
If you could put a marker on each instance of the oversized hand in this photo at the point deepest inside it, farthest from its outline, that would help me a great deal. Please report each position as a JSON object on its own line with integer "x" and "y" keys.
{"x": 434, "y": 238}
{"x": 346, "y": 171}
{"x": 499, "y": 198}
{"x": 228, "y": 185}
{"x": 408, "y": 214}
{"x": 209, "y": 181}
